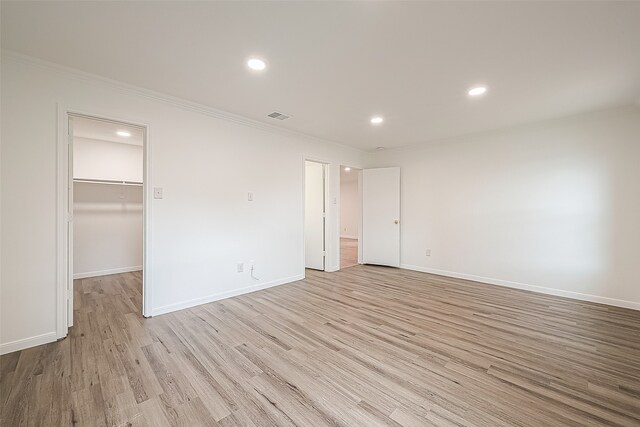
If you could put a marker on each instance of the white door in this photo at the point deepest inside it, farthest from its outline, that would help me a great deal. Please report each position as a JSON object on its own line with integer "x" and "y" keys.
{"x": 70, "y": 227}
{"x": 381, "y": 216}
{"x": 314, "y": 215}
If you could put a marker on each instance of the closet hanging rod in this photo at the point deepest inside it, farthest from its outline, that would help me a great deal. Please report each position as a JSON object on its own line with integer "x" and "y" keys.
{"x": 107, "y": 182}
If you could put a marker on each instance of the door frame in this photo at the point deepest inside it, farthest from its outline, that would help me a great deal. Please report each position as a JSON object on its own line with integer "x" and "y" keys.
{"x": 359, "y": 202}
{"x": 327, "y": 214}
{"x": 64, "y": 185}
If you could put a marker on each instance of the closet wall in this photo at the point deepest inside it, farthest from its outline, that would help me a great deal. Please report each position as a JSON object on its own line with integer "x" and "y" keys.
{"x": 106, "y": 160}
{"x": 349, "y": 207}
{"x": 108, "y": 218}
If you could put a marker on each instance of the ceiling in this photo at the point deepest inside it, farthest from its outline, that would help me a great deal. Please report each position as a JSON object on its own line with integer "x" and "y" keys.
{"x": 333, "y": 65}
{"x": 106, "y": 131}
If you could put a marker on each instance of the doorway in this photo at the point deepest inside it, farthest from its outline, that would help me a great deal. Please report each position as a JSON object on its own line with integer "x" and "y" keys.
{"x": 106, "y": 206}
{"x": 315, "y": 204}
{"x": 350, "y": 216}
{"x": 381, "y": 216}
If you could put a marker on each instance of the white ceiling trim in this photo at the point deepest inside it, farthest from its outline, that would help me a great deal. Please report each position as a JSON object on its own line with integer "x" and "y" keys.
{"x": 167, "y": 99}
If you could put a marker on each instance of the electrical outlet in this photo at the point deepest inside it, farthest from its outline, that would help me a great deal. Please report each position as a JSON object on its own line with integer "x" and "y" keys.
{"x": 240, "y": 267}
{"x": 428, "y": 252}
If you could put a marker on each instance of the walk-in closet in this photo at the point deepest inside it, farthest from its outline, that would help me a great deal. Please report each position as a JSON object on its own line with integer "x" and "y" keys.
{"x": 107, "y": 252}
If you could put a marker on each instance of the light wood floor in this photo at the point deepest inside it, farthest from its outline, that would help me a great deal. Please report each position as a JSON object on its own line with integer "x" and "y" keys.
{"x": 348, "y": 252}
{"x": 365, "y": 346}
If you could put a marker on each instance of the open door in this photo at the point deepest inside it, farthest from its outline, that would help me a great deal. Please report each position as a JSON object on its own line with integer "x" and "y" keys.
{"x": 381, "y": 216}
{"x": 70, "y": 226}
{"x": 314, "y": 215}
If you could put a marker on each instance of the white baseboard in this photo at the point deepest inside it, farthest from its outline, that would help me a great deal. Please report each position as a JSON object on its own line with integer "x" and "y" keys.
{"x": 222, "y": 295}
{"x": 107, "y": 272}
{"x": 349, "y": 237}
{"x": 10, "y": 347}
{"x": 540, "y": 289}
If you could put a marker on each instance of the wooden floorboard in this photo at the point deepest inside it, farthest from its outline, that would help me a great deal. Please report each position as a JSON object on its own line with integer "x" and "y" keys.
{"x": 365, "y": 346}
{"x": 348, "y": 252}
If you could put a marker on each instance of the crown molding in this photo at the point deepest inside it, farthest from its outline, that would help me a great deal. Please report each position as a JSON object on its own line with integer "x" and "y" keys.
{"x": 166, "y": 99}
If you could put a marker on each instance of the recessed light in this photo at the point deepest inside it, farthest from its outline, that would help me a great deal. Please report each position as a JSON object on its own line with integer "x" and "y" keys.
{"x": 380, "y": 148}
{"x": 123, "y": 133}
{"x": 376, "y": 120}
{"x": 347, "y": 169}
{"x": 477, "y": 91}
{"x": 256, "y": 64}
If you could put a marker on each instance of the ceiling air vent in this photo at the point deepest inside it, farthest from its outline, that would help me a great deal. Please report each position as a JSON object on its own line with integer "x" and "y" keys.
{"x": 278, "y": 116}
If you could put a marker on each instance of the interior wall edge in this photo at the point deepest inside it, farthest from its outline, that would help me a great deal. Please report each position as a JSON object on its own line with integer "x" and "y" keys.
{"x": 634, "y": 305}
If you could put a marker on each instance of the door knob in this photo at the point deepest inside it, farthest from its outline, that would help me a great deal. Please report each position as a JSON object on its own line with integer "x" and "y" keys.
{"x": 396, "y": 221}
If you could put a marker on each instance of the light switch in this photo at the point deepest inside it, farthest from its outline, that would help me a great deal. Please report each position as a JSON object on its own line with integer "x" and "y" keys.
{"x": 250, "y": 197}
{"x": 157, "y": 193}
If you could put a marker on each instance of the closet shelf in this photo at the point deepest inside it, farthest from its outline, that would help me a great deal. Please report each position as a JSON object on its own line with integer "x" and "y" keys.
{"x": 107, "y": 182}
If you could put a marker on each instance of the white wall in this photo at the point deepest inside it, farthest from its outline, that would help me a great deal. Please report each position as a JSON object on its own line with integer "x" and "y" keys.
{"x": 107, "y": 222}
{"x": 206, "y": 162}
{"x": 349, "y": 208}
{"x": 95, "y": 159}
{"x": 553, "y": 206}
{"x": 107, "y": 219}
